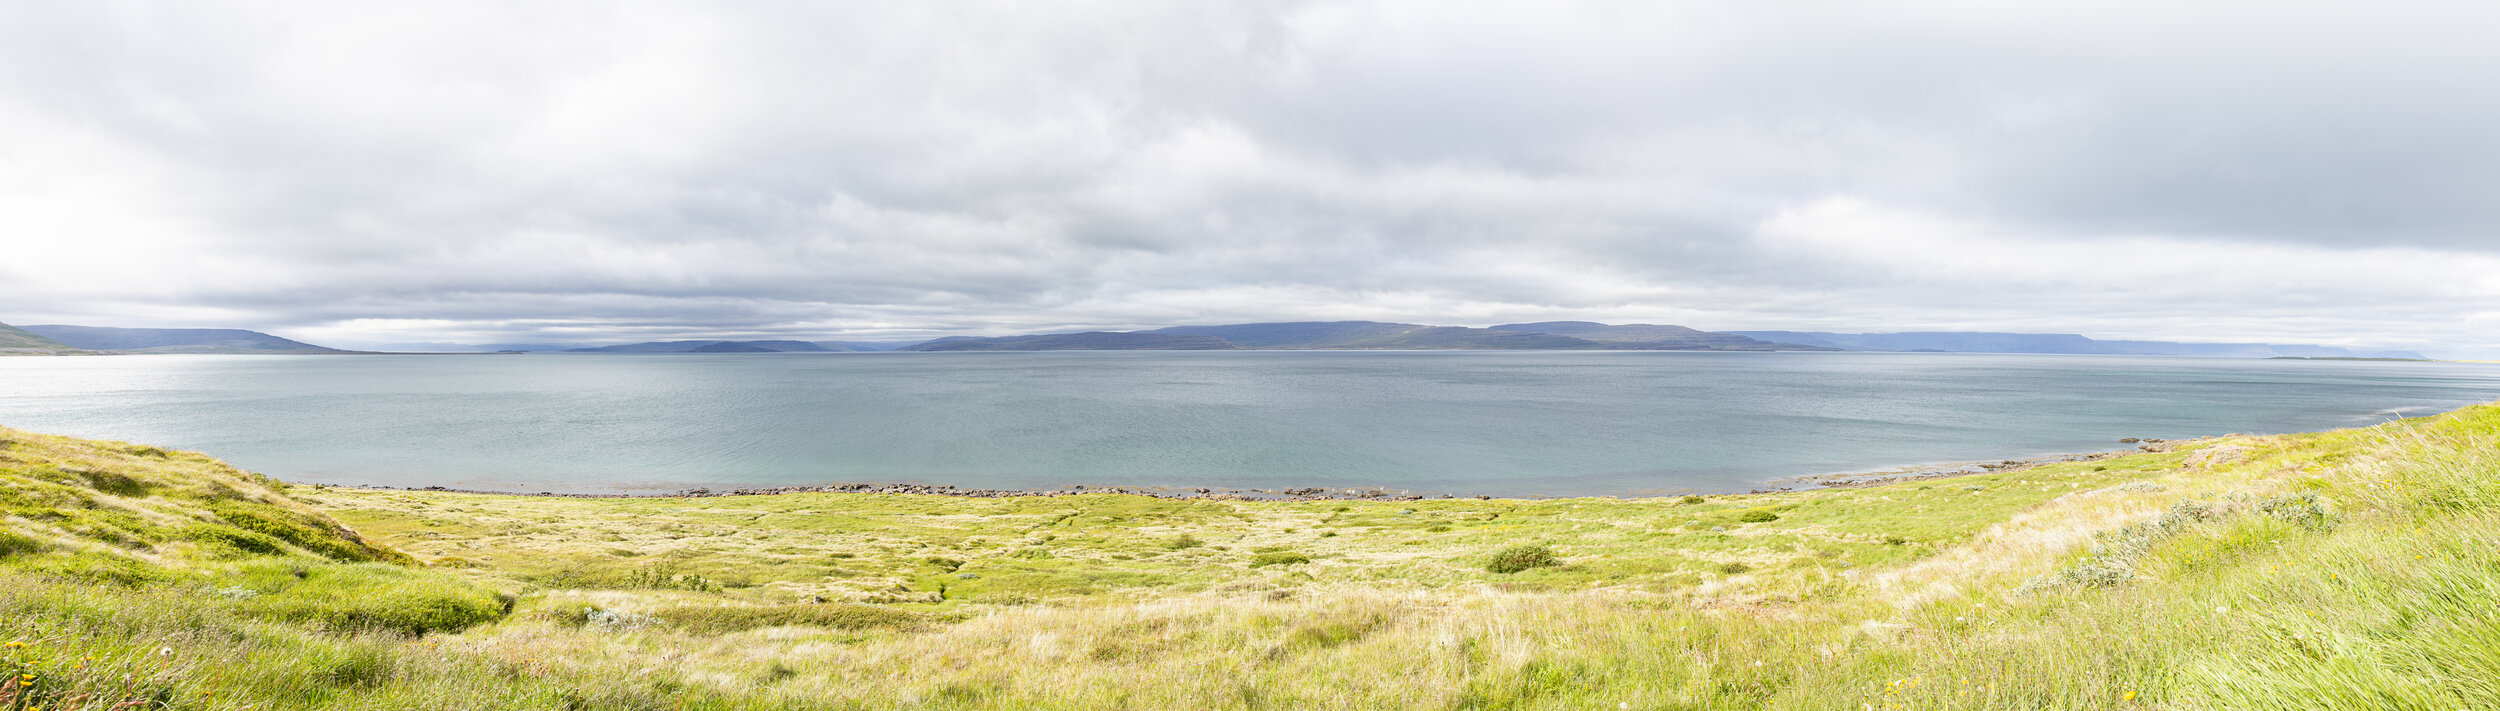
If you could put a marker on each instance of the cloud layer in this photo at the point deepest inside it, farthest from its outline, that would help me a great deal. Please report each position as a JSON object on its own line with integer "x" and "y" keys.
{"x": 511, "y": 172}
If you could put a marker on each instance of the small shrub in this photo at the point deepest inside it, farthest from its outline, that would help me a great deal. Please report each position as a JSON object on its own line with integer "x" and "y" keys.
{"x": 1895, "y": 540}
{"x": 1735, "y": 568}
{"x": 1689, "y": 500}
{"x": 1183, "y": 541}
{"x": 615, "y": 620}
{"x": 1522, "y": 557}
{"x": 1757, "y": 516}
{"x": 2302, "y": 510}
{"x": 1278, "y": 558}
{"x": 665, "y": 577}
{"x": 2112, "y": 558}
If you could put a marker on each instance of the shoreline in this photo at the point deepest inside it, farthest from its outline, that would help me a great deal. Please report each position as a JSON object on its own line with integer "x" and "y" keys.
{"x": 1803, "y": 482}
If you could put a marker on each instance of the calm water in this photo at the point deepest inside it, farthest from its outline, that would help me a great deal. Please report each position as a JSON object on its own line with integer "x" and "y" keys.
{"x": 1503, "y": 423}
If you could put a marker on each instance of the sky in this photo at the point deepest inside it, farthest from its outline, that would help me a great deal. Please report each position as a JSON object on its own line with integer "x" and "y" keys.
{"x": 517, "y": 172}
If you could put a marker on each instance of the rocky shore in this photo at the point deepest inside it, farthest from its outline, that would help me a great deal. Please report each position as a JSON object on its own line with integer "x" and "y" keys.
{"x": 1856, "y": 480}
{"x": 1209, "y": 493}
{"x": 1798, "y": 483}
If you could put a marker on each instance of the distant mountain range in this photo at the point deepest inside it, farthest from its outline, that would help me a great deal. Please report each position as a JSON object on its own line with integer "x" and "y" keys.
{"x": 1372, "y": 335}
{"x": 1302, "y": 335}
{"x": 713, "y": 347}
{"x": 1088, "y": 341}
{"x": 174, "y": 340}
{"x": 1983, "y": 342}
{"x": 736, "y": 347}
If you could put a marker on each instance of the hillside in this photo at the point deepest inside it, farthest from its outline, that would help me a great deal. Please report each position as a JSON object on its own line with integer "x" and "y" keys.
{"x": 714, "y": 347}
{"x": 2339, "y": 570}
{"x": 1089, "y": 341}
{"x": 133, "y": 576}
{"x": 18, "y": 341}
{"x": 1645, "y": 336}
{"x": 1982, "y": 342}
{"x": 177, "y": 340}
{"x": 1372, "y": 335}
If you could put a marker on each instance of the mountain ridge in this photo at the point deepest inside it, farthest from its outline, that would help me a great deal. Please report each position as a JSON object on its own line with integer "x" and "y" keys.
{"x": 177, "y": 340}
{"x": 2056, "y": 343}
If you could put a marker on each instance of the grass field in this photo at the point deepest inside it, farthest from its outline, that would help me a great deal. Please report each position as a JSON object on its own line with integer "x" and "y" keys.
{"x": 2354, "y": 569}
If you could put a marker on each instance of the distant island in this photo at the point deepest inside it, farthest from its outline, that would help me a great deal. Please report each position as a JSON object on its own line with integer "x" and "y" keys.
{"x": 1299, "y": 335}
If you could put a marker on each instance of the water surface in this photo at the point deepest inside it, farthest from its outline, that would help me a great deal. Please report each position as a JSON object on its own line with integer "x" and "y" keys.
{"x": 1518, "y": 423}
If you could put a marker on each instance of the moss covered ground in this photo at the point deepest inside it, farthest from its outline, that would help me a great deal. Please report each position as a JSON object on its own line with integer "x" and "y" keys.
{"x": 2351, "y": 569}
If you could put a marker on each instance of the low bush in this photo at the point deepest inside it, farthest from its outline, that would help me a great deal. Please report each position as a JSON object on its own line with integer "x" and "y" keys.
{"x": 1522, "y": 557}
{"x": 2301, "y": 510}
{"x": 663, "y": 576}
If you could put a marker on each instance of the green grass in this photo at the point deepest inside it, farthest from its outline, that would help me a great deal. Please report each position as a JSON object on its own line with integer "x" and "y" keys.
{"x": 18, "y": 341}
{"x": 2340, "y": 570}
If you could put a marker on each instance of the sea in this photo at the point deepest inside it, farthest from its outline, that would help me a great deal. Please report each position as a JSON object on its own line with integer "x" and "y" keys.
{"x": 1499, "y": 423}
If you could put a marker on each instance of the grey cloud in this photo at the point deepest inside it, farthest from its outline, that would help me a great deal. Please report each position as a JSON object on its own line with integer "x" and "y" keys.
{"x": 675, "y": 169}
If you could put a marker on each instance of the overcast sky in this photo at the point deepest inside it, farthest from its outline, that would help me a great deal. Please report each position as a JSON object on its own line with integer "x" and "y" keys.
{"x": 362, "y": 173}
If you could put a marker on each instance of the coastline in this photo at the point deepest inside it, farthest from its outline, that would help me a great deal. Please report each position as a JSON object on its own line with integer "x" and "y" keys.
{"x": 1802, "y": 482}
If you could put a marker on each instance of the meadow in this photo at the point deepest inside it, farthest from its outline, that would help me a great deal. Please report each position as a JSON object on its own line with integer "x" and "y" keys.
{"x": 2353, "y": 569}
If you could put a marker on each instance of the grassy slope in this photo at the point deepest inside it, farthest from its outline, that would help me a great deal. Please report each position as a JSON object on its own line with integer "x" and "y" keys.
{"x": 134, "y": 574}
{"x": 2351, "y": 569}
{"x": 17, "y": 341}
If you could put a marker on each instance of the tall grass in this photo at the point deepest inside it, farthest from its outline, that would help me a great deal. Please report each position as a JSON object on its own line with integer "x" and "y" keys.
{"x": 2346, "y": 570}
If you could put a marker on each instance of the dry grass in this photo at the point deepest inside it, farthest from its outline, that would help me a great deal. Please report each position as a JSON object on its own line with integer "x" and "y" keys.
{"x": 1921, "y": 595}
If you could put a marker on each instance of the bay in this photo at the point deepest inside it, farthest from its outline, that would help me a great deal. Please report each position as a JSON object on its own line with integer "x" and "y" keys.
{"x": 1504, "y": 423}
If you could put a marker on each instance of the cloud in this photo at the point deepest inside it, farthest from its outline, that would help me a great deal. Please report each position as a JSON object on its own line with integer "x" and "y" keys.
{"x": 626, "y": 170}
